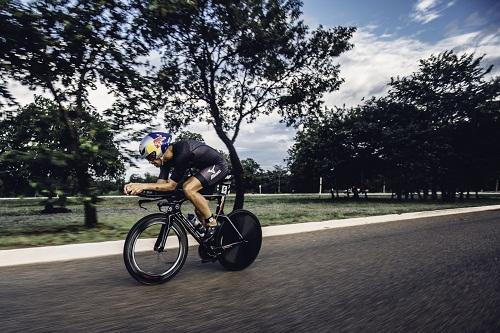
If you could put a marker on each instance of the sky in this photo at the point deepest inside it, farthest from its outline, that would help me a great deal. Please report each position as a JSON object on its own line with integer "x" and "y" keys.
{"x": 391, "y": 36}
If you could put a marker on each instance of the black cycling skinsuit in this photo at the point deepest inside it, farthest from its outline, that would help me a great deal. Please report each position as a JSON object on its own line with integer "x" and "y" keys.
{"x": 194, "y": 154}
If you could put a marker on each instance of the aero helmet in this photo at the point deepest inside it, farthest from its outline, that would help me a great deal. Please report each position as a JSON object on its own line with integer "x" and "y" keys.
{"x": 154, "y": 145}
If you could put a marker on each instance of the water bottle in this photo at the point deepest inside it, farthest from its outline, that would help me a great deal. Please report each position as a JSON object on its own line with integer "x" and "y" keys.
{"x": 198, "y": 226}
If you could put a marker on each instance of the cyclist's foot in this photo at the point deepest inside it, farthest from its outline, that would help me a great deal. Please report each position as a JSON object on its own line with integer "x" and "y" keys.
{"x": 210, "y": 233}
{"x": 210, "y": 229}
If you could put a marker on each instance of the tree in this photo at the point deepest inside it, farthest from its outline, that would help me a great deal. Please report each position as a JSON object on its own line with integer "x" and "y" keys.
{"x": 252, "y": 174}
{"x": 228, "y": 62}
{"x": 323, "y": 149}
{"x": 392, "y": 141}
{"x": 187, "y": 135}
{"x": 459, "y": 109}
{"x": 148, "y": 178}
{"x": 437, "y": 129}
{"x": 34, "y": 148}
{"x": 65, "y": 47}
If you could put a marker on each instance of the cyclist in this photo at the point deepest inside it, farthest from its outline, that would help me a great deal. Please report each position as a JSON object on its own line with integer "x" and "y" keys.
{"x": 182, "y": 155}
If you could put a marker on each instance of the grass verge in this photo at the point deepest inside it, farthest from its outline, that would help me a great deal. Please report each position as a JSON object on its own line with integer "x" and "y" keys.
{"x": 22, "y": 224}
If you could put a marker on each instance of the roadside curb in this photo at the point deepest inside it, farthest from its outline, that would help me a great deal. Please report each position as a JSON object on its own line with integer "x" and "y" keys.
{"x": 48, "y": 254}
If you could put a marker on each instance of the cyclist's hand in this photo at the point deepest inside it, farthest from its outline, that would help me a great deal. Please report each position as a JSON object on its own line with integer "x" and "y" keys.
{"x": 133, "y": 188}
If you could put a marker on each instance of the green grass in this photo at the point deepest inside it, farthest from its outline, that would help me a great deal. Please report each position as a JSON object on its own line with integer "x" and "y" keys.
{"x": 22, "y": 224}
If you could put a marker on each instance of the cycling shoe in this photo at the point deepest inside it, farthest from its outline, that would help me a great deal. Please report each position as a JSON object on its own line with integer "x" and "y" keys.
{"x": 210, "y": 234}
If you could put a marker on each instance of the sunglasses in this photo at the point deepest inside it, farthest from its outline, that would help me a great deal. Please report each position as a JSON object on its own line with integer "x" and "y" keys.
{"x": 151, "y": 157}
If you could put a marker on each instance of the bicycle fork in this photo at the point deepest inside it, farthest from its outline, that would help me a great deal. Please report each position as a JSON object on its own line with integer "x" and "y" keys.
{"x": 161, "y": 240}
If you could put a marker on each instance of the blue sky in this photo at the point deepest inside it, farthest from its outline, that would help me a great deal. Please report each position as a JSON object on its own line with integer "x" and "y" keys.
{"x": 391, "y": 37}
{"x": 428, "y": 20}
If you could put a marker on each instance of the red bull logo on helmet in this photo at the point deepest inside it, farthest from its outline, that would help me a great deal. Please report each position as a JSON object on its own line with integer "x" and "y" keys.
{"x": 158, "y": 141}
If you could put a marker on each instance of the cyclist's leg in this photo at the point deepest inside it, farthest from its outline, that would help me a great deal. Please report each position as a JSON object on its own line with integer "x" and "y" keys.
{"x": 198, "y": 214}
{"x": 204, "y": 191}
{"x": 191, "y": 188}
{"x": 205, "y": 179}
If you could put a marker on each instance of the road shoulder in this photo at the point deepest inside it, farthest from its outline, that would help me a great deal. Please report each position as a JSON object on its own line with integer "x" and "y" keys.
{"x": 46, "y": 254}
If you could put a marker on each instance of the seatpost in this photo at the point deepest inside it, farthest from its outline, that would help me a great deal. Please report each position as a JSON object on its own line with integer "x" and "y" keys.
{"x": 220, "y": 205}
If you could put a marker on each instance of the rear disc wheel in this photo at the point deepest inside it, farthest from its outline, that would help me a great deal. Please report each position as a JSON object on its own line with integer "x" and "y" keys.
{"x": 239, "y": 254}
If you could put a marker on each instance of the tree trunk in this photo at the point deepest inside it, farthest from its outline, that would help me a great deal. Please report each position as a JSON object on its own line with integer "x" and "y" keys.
{"x": 79, "y": 166}
{"x": 444, "y": 194}
{"x": 90, "y": 212}
{"x": 237, "y": 168}
{"x": 355, "y": 193}
{"x": 238, "y": 177}
{"x": 90, "y": 200}
{"x": 218, "y": 124}
{"x": 434, "y": 193}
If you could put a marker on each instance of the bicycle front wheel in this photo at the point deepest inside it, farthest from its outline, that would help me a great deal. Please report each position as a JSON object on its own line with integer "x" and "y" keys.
{"x": 146, "y": 262}
{"x": 239, "y": 253}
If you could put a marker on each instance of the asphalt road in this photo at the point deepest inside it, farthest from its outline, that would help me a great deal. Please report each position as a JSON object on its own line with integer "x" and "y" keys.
{"x": 440, "y": 274}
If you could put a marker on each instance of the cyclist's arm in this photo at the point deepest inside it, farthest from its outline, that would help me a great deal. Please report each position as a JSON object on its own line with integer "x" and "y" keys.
{"x": 138, "y": 188}
{"x": 162, "y": 185}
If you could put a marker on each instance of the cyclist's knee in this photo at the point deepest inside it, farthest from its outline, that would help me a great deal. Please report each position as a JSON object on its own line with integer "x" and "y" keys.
{"x": 189, "y": 189}
{"x": 186, "y": 188}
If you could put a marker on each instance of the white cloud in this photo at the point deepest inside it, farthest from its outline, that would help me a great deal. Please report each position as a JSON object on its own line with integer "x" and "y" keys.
{"x": 368, "y": 67}
{"x": 476, "y": 19}
{"x": 99, "y": 97}
{"x": 426, "y": 11}
{"x": 23, "y": 94}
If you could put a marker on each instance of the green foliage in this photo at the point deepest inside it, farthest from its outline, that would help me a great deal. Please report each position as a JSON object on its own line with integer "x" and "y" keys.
{"x": 148, "y": 178}
{"x": 456, "y": 117}
{"x": 35, "y": 150}
{"x": 252, "y": 174}
{"x": 437, "y": 129}
{"x": 322, "y": 149}
{"x": 227, "y": 62}
{"x": 276, "y": 180}
{"x": 65, "y": 47}
{"x": 187, "y": 135}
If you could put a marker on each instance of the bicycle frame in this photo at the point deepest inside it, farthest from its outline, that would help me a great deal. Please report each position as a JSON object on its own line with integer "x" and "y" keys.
{"x": 172, "y": 210}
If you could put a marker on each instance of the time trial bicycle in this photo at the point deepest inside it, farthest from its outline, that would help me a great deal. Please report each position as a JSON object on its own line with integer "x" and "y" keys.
{"x": 156, "y": 247}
